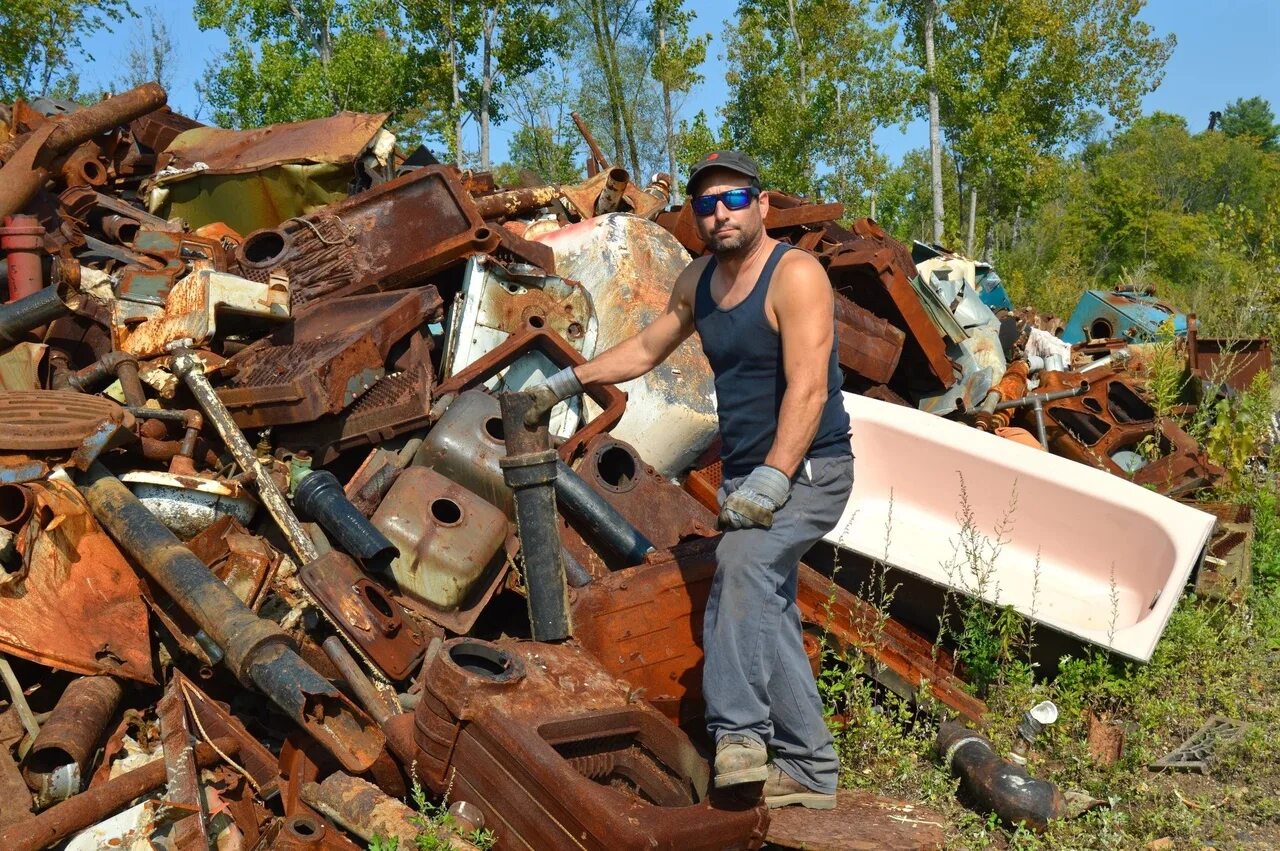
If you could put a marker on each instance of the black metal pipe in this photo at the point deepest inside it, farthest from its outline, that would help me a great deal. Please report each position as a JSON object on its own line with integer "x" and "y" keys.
{"x": 256, "y": 650}
{"x": 30, "y": 312}
{"x": 319, "y": 495}
{"x": 530, "y": 470}
{"x": 995, "y": 784}
{"x": 605, "y": 524}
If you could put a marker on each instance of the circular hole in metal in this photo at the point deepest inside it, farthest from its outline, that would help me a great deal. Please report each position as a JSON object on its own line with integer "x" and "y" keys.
{"x": 92, "y": 171}
{"x": 575, "y": 330}
{"x": 127, "y": 232}
{"x": 303, "y": 826}
{"x": 1100, "y": 329}
{"x": 481, "y": 660}
{"x": 378, "y": 601}
{"x": 616, "y": 467}
{"x": 446, "y": 512}
{"x": 493, "y": 428}
{"x": 263, "y": 247}
{"x": 481, "y": 234}
{"x": 536, "y": 321}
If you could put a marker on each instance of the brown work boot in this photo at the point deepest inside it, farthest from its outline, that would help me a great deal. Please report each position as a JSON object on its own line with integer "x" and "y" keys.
{"x": 740, "y": 759}
{"x": 782, "y": 790}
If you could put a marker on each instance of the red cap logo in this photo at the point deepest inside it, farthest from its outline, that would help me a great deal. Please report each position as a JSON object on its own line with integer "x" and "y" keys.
{"x": 713, "y": 156}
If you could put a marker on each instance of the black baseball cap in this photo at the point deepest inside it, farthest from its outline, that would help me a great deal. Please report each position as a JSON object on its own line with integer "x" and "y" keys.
{"x": 732, "y": 160}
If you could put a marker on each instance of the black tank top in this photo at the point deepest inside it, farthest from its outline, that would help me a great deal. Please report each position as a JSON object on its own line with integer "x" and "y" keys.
{"x": 745, "y": 353}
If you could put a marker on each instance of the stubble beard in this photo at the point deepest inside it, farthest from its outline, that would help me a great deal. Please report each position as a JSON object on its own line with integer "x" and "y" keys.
{"x": 737, "y": 242}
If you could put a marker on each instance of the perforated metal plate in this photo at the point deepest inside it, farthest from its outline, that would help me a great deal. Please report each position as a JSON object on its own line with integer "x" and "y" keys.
{"x": 52, "y": 419}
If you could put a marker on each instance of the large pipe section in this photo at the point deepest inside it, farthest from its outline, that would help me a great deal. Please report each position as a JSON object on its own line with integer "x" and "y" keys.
{"x": 514, "y": 202}
{"x": 22, "y": 243}
{"x": 26, "y": 171}
{"x": 96, "y": 803}
{"x": 59, "y": 759}
{"x": 256, "y": 650}
{"x": 610, "y": 197}
{"x": 594, "y": 513}
{"x": 530, "y": 471}
{"x": 993, "y": 783}
{"x": 17, "y": 318}
{"x": 319, "y": 495}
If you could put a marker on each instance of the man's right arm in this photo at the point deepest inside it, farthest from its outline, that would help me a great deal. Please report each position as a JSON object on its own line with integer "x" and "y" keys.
{"x": 641, "y": 352}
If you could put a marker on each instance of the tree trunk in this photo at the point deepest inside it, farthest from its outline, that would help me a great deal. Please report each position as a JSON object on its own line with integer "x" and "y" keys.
{"x": 456, "y": 94}
{"x": 599, "y": 27}
{"x": 935, "y": 142}
{"x": 668, "y": 115}
{"x": 873, "y": 203}
{"x": 1017, "y": 226}
{"x": 486, "y": 85}
{"x": 973, "y": 216}
{"x": 804, "y": 73}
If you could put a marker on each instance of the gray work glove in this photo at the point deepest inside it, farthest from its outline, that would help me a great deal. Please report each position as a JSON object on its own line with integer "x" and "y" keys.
{"x": 763, "y": 492}
{"x": 547, "y": 395}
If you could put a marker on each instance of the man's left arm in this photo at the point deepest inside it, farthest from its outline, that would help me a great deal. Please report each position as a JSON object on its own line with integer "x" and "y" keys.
{"x": 804, "y": 309}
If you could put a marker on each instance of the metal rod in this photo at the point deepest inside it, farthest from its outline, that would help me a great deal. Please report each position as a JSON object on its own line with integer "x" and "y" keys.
{"x": 366, "y": 692}
{"x": 530, "y": 470}
{"x": 605, "y": 524}
{"x": 18, "y": 699}
{"x": 596, "y": 153}
{"x": 191, "y": 369}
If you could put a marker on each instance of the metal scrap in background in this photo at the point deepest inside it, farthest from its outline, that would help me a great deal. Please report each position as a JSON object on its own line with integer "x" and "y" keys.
{"x": 267, "y": 555}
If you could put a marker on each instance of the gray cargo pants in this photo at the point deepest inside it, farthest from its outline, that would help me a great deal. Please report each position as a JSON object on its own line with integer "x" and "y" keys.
{"x": 757, "y": 680}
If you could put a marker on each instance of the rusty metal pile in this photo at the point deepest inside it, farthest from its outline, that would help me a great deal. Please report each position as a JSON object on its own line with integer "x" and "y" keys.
{"x": 277, "y": 543}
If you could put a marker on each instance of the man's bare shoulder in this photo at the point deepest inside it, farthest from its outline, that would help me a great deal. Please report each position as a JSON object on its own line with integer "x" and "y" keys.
{"x": 801, "y": 277}
{"x": 687, "y": 282}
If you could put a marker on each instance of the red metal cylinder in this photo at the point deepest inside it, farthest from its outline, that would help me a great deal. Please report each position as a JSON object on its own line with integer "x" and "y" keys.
{"x": 22, "y": 241}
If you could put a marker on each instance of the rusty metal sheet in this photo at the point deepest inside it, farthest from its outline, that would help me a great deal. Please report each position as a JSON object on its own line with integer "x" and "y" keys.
{"x": 381, "y": 239}
{"x": 1110, "y": 417}
{"x": 213, "y": 720}
{"x": 366, "y": 614}
{"x": 557, "y": 754}
{"x": 181, "y": 774}
{"x": 161, "y": 259}
{"x": 1234, "y": 362}
{"x": 870, "y": 275}
{"x": 861, "y": 821}
{"x": 77, "y": 605}
{"x": 611, "y": 400}
{"x": 245, "y": 562}
{"x": 865, "y": 343}
{"x": 513, "y": 247}
{"x": 324, "y": 360}
{"x": 337, "y": 139}
{"x": 661, "y": 511}
{"x": 17, "y": 798}
{"x": 48, "y": 420}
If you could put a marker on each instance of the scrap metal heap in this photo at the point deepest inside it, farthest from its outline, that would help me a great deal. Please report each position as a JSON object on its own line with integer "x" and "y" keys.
{"x": 276, "y": 543}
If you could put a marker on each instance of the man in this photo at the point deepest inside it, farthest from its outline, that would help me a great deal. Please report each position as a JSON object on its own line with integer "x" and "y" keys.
{"x": 765, "y": 316}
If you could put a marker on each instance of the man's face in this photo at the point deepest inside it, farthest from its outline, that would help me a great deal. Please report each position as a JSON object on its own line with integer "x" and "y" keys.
{"x": 726, "y": 231}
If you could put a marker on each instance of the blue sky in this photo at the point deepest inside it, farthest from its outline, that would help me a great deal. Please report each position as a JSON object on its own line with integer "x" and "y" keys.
{"x": 1225, "y": 50}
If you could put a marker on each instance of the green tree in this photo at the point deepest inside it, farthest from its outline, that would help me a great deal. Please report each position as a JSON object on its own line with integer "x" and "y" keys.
{"x": 809, "y": 82}
{"x": 151, "y": 55}
{"x": 515, "y": 38}
{"x": 40, "y": 38}
{"x": 676, "y": 58}
{"x": 300, "y": 59}
{"x": 1019, "y": 81}
{"x": 1252, "y": 118}
{"x": 546, "y": 143}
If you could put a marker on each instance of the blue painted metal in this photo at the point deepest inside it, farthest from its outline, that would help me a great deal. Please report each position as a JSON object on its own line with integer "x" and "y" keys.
{"x": 1136, "y": 317}
{"x": 991, "y": 289}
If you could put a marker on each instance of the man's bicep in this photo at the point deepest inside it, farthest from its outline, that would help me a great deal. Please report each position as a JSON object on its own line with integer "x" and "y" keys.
{"x": 805, "y": 315}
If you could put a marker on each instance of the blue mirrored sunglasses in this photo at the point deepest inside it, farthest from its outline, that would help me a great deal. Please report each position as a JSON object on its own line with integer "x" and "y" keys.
{"x": 734, "y": 199}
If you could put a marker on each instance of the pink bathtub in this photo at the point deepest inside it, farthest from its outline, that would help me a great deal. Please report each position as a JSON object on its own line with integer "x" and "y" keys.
{"x": 1113, "y": 556}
